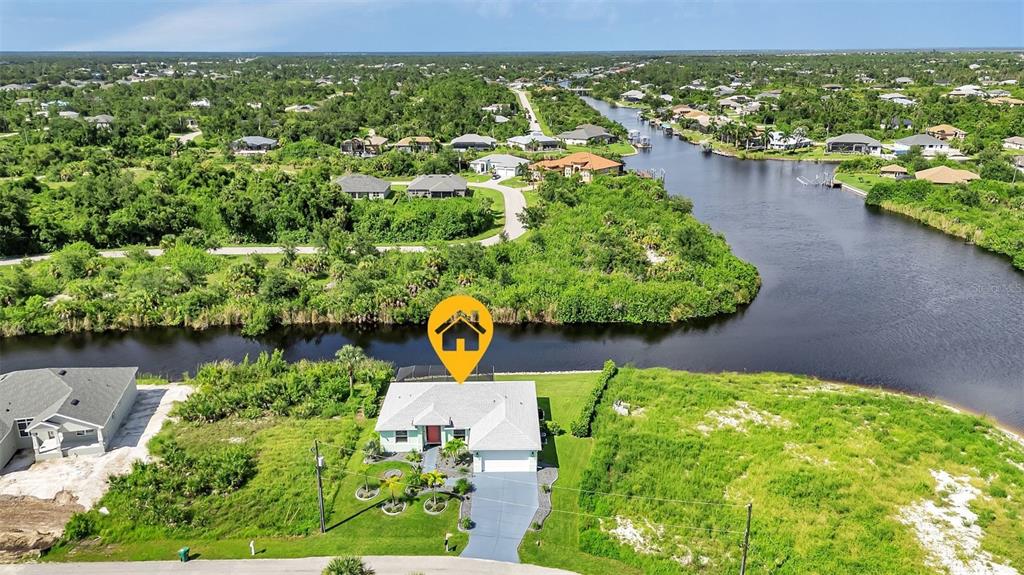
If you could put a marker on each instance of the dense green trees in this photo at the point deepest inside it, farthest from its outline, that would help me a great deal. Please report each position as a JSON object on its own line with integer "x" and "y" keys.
{"x": 589, "y": 261}
{"x": 564, "y": 110}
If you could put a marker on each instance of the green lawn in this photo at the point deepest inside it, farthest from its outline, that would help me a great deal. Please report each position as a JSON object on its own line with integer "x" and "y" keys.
{"x": 278, "y": 507}
{"x": 615, "y": 148}
{"x": 516, "y": 182}
{"x": 861, "y": 180}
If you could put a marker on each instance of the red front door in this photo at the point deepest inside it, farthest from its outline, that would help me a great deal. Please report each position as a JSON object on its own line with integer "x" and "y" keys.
{"x": 433, "y": 435}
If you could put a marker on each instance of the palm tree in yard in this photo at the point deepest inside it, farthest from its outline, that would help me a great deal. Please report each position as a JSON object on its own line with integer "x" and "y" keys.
{"x": 393, "y": 485}
{"x": 351, "y": 357}
{"x": 347, "y": 566}
{"x": 434, "y": 479}
{"x": 453, "y": 449}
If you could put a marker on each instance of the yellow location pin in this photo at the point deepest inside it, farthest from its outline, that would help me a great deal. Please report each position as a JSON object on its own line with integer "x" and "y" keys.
{"x": 460, "y": 329}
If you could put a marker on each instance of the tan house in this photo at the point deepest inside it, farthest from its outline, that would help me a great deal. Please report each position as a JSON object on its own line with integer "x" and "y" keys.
{"x": 945, "y": 132}
{"x": 1005, "y": 101}
{"x": 585, "y": 164}
{"x": 895, "y": 171}
{"x": 946, "y": 175}
{"x": 364, "y": 147}
{"x": 415, "y": 144}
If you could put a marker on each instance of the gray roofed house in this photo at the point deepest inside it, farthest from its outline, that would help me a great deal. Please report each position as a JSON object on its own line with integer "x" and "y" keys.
{"x": 534, "y": 141}
{"x": 853, "y": 144}
{"x": 248, "y": 145}
{"x": 474, "y": 141}
{"x": 100, "y": 120}
{"x": 585, "y": 134}
{"x": 499, "y": 421}
{"x": 925, "y": 142}
{"x": 438, "y": 186}
{"x": 361, "y": 186}
{"x": 60, "y": 412}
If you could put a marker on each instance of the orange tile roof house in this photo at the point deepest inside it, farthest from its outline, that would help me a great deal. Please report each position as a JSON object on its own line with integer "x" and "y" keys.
{"x": 946, "y": 132}
{"x": 585, "y": 164}
{"x": 946, "y": 175}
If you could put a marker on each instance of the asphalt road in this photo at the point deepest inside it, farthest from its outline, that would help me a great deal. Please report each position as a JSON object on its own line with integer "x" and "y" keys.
{"x": 382, "y": 565}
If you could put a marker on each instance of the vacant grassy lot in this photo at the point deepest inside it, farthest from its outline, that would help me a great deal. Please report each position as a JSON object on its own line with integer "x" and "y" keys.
{"x": 842, "y": 478}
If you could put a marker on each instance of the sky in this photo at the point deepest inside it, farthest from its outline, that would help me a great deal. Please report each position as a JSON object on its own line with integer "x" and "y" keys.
{"x": 506, "y": 25}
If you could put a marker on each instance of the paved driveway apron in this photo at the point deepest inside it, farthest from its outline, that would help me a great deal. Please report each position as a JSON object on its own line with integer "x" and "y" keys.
{"x": 503, "y": 509}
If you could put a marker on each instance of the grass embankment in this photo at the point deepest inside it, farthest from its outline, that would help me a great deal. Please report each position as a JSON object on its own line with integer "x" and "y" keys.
{"x": 830, "y": 469}
{"x": 277, "y": 505}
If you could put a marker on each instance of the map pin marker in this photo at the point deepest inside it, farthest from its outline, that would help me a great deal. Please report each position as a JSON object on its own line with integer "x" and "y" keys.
{"x": 460, "y": 329}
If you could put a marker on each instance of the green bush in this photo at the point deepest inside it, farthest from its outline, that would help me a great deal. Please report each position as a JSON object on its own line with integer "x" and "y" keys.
{"x": 581, "y": 426}
{"x": 80, "y": 526}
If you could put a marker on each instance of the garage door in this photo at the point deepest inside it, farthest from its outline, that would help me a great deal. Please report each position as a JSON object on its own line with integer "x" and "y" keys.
{"x": 498, "y": 461}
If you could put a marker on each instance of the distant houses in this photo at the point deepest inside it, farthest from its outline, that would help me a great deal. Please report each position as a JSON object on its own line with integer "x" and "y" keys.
{"x": 946, "y": 175}
{"x": 201, "y": 103}
{"x": 584, "y": 164}
{"x": 437, "y": 186}
{"x": 586, "y": 134}
{"x": 415, "y": 144}
{"x": 363, "y": 187}
{"x": 103, "y": 121}
{"x": 894, "y": 171}
{"x": 302, "y": 108}
{"x": 853, "y": 144}
{"x": 779, "y": 141}
{"x": 473, "y": 142}
{"x": 1013, "y": 143}
{"x": 632, "y": 96}
{"x": 503, "y": 165}
{"x": 945, "y": 132}
{"x": 253, "y": 145}
{"x": 534, "y": 142}
{"x": 367, "y": 147}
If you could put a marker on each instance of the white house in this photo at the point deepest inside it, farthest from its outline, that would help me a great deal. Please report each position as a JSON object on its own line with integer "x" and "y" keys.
{"x": 776, "y": 141}
{"x": 924, "y": 141}
{"x": 632, "y": 96}
{"x": 498, "y": 421}
{"x": 1013, "y": 143}
{"x": 504, "y": 165}
{"x": 203, "y": 103}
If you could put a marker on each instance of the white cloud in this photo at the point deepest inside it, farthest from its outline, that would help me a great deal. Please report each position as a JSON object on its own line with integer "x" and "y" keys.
{"x": 224, "y": 25}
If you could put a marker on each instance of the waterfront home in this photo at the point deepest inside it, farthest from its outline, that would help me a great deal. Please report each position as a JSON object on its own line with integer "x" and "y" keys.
{"x": 853, "y": 144}
{"x": 63, "y": 412}
{"x": 586, "y": 134}
{"x": 894, "y": 171}
{"x": 769, "y": 95}
{"x": 534, "y": 141}
{"x": 363, "y": 187}
{"x": 585, "y": 164}
{"x": 776, "y": 141}
{"x": 101, "y": 120}
{"x": 303, "y": 108}
{"x": 253, "y": 145}
{"x": 946, "y": 175}
{"x": 945, "y": 132}
{"x": 504, "y": 165}
{"x": 1013, "y": 143}
{"x": 499, "y": 421}
{"x": 632, "y": 96}
{"x": 680, "y": 110}
{"x": 415, "y": 144}
{"x": 437, "y": 186}
{"x": 924, "y": 141}
{"x": 473, "y": 142}
{"x": 367, "y": 147}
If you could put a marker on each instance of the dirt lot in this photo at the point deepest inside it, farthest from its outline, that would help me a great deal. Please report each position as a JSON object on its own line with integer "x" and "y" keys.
{"x": 36, "y": 499}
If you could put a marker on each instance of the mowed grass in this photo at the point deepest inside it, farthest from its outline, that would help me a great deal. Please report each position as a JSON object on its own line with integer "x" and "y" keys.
{"x": 562, "y": 396}
{"x": 861, "y": 180}
{"x": 829, "y": 469}
{"x": 278, "y": 507}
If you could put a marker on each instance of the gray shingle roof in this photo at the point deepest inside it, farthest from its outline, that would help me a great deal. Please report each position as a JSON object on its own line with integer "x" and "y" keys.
{"x": 584, "y": 132}
{"x": 500, "y": 415}
{"x": 473, "y": 139}
{"x": 438, "y": 183}
{"x": 921, "y": 140}
{"x": 88, "y": 394}
{"x": 256, "y": 141}
{"x": 362, "y": 184}
{"x": 502, "y": 160}
{"x": 853, "y": 139}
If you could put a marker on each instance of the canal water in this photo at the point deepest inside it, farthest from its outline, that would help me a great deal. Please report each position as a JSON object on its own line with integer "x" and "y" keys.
{"x": 849, "y": 293}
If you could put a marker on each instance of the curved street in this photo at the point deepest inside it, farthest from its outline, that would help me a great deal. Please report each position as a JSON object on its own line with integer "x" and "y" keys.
{"x": 515, "y": 203}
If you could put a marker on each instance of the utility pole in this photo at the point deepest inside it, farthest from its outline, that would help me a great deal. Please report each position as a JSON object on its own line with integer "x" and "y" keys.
{"x": 319, "y": 464}
{"x": 746, "y": 540}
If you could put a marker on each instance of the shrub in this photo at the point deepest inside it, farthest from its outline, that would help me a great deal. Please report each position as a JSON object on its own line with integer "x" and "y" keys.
{"x": 80, "y": 526}
{"x": 466, "y": 523}
{"x": 463, "y": 486}
{"x": 581, "y": 426}
{"x": 347, "y": 566}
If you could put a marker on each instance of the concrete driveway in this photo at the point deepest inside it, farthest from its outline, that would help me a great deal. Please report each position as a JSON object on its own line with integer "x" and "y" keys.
{"x": 503, "y": 508}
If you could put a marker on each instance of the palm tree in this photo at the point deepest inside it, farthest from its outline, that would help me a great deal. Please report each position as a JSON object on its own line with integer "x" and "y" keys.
{"x": 453, "y": 449}
{"x": 347, "y": 566}
{"x": 393, "y": 485}
{"x": 351, "y": 357}
{"x": 434, "y": 479}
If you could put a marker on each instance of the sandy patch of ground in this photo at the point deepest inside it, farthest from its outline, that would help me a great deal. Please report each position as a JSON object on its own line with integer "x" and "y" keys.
{"x": 36, "y": 499}
{"x": 740, "y": 417}
{"x": 622, "y": 408}
{"x": 640, "y": 537}
{"x": 948, "y": 529}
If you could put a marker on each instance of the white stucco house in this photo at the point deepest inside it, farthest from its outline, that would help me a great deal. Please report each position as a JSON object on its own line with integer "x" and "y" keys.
{"x": 498, "y": 421}
{"x": 504, "y": 165}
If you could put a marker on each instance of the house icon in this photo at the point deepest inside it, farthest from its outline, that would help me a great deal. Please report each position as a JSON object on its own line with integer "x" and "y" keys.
{"x": 461, "y": 327}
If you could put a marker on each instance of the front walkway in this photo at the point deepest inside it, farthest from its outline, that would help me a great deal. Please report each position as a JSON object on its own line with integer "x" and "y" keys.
{"x": 503, "y": 508}
{"x": 382, "y": 565}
